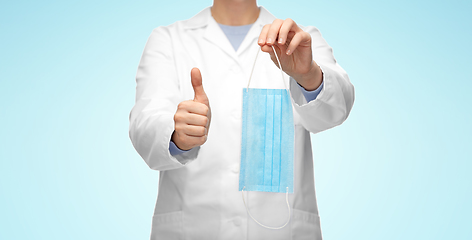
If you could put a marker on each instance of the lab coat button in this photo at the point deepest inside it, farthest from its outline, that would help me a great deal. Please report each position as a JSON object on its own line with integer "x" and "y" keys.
{"x": 237, "y": 221}
{"x": 236, "y": 169}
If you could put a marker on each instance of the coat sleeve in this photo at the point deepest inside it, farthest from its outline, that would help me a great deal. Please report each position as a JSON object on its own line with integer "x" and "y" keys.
{"x": 157, "y": 96}
{"x": 334, "y": 103}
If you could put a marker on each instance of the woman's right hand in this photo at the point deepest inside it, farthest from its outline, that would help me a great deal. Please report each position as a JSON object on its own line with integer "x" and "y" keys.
{"x": 192, "y": 118}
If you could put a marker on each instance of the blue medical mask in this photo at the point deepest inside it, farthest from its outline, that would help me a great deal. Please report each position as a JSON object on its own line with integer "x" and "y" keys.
{"x": 267, "y": 142}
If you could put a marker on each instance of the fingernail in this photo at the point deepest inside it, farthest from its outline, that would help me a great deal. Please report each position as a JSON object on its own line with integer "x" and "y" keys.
{"x": 288, "y": 52}
{"x": 261, "y": 41}
{"x": 269, "y": 40}
{"x": 280, "y": 40}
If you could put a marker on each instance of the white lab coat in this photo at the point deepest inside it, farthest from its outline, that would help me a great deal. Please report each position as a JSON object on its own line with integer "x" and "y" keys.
{"x": 198, "y": 194}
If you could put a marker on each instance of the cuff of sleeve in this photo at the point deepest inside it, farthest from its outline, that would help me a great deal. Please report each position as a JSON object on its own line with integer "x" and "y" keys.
{"x": 300, "y": 100}
{"x": 174, "y": 150}
{"x": 311, "y": 95}
{"x": 181, "y": 159}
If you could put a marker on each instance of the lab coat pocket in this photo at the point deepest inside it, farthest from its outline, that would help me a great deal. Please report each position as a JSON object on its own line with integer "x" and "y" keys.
{"x": 167, "y": 226}
{"x": 305, "y": 225}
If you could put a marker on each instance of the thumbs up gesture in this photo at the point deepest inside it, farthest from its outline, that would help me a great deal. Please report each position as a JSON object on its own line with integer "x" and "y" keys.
{"x": 192, "y": 118}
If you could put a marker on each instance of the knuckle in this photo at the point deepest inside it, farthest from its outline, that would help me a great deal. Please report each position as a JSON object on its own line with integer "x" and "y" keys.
{"x": 305, "y": 35}
{"x": 201, "y": 131}
{"x": 206, "y": 110}
{"x": 266, "y": 28}
{"x": 201, "y": 140}
{"x": 178, "y": 117}
{"x": 278, "y": 21}
{"x": 189, "y": 103}
{"x": 182, "y": 105}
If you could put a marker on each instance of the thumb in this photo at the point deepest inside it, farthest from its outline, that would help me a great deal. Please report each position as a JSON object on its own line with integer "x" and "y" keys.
{"x": 200, "y": 95}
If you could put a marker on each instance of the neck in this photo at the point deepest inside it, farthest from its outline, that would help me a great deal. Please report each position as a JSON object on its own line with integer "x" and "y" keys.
{"x": 235, "y": 12}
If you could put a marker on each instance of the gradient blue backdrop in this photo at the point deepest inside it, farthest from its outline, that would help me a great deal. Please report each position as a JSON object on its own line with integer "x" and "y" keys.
{"x": 398, "y": 168}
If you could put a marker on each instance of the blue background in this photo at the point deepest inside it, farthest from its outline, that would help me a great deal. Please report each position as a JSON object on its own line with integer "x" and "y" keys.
{"x": 398, "y": 168}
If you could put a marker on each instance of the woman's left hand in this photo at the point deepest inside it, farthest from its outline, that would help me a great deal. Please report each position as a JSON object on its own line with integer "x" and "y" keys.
{"x": 293, "y": 47}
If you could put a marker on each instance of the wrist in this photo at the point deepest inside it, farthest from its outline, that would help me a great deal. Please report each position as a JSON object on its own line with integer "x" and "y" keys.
{"x": 312, "y": 79}
{"x": 174, "y": 140}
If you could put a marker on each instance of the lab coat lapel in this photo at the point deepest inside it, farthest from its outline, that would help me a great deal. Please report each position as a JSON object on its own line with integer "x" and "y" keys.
{"x": 250, "y": 39}
{"x": 215, "y": 35}
{"x": 248, "y": 49}
{"x": 265, "y": 17}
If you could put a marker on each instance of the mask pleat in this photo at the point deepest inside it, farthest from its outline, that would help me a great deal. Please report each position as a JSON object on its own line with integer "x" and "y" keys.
{"x": 277, "y": 139}
{"x": 261, "y": 138}
{"x": 244, "y": 142}
{"x": 286, "y": 176}
{"x": 269, "y": 137}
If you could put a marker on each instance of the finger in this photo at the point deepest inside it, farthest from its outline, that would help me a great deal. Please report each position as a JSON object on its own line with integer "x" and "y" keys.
{"x": 186, "y": 142}
{"x": 193, "y": 107}
{"x": 273, "y": 31}
{"x": 296, "y": 40}
{"x": 184, "y": 117}
{"x": 200, "y": 95}
{"x": 195, "y": 131}
{"x": 196, "y": 120}
{"x": 263, "y": 35}
{"x": 267, "y": 49}
{"x": 194, "y": 141}
{"x": 286, "y": 27}
{"x": 199, "y": 108}
{"x": 289, "y": 37}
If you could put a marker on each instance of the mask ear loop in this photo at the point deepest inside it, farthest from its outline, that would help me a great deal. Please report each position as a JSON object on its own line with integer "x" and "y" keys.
{"x": 242, "y": 191}
{"x": 280, "y": 66}
{"x": 275, "y": 228}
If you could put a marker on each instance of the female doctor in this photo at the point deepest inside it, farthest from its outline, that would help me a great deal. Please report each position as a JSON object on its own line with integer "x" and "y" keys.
{"x": 187, "y": 120}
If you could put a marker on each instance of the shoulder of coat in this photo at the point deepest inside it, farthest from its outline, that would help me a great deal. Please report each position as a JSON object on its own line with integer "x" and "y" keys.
{"x": 199, "y": 20}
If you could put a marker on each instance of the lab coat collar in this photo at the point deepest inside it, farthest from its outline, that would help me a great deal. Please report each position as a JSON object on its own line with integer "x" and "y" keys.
{"x": 215, "y": 35}
{"x": 203, "y": 18}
